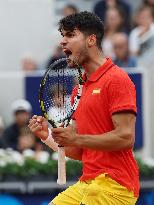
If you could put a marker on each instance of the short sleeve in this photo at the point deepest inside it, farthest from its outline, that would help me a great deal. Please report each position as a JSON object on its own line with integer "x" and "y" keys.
{"x": 121, "y": 94}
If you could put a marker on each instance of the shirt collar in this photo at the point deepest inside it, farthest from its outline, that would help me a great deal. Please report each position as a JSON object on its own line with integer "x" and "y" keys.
{"x": 100, "y": 71}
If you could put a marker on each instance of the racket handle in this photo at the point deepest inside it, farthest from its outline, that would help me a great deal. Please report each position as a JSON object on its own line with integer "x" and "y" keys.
{"x": 61, "y": 166}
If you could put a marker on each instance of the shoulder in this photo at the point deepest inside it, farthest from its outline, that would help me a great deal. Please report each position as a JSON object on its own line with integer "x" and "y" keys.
{"x": 11, "y": 129}
{"x": 135, "y": 31}
{"x": 118, "y": 76}
{"x": 117, "y": 73}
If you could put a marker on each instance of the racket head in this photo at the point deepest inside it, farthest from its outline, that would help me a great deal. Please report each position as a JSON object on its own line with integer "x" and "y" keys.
{"x": 55, "y": 92}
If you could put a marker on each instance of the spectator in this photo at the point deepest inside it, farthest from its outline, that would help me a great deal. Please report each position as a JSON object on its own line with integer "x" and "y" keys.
{"x": 149, "y": 3}
{"x": 26, "y": 139}
{"x": 121, "y": 50}
{"x": 113, "y": 24}
{"x": 69, "y": 9}
{"x": 102, "y": 6}
{"x": 22, "y": 112}
{"x": 28, "y": 64}
{"x": 141, "y": 37}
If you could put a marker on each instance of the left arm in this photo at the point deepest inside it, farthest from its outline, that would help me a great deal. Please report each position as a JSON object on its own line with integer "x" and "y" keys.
{"x": 120, "y": 138}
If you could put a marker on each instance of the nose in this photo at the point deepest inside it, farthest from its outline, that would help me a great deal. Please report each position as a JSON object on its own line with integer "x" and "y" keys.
{"x": 63, "y": 41}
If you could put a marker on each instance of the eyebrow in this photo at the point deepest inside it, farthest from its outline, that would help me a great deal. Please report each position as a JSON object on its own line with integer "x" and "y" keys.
{"x": 67, "y": 33}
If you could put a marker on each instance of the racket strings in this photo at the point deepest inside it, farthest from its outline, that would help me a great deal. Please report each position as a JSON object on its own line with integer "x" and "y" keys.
{"x": 55, "y": 101}
{"x": 56, "y": 94}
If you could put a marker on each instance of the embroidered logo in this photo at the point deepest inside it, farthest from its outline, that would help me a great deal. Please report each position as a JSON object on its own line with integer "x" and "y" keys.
{"x": 96, "y": 91}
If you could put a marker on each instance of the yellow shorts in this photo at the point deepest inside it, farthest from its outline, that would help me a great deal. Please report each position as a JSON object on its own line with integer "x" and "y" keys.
{"x": 100, "y": 191}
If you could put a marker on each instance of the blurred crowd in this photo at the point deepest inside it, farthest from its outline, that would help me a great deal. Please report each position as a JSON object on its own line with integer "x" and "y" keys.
{"x": 17, "y": 135}
{"x": 128, "y": 40}
{"x": 129, "y": 34}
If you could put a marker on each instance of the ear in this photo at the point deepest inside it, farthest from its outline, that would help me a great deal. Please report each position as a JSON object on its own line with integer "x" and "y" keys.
{"x": 91, "y": 40}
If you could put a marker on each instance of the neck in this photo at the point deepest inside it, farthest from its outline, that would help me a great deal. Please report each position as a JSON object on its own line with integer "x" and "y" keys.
{"x": 94, "y": 62}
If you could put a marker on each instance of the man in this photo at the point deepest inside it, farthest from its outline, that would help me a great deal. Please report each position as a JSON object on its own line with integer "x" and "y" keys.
{"x": 121, "y": 50}
{"x": 103, "y": 130}
{"x": 69, "y": 9}
{"x": 21, "y": 110}
{"x": 102, "y": 6}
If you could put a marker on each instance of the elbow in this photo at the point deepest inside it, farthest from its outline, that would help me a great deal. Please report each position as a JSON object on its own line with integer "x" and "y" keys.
{"x": 130, "y": 145}
{"x": 129, "y": 140}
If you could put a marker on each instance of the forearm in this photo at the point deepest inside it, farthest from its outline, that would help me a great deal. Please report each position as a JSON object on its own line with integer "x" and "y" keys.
{"x": 71, "y": 152}
{"x": 110, "y": 141}
{"x": 74, "y": 153}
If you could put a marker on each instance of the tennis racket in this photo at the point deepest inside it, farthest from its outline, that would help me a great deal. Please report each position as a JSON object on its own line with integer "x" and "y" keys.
{"x": 55, "y": 101}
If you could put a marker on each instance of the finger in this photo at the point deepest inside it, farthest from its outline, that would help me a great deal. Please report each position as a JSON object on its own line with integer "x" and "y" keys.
{"x": 39, "y": 119}
{"x": 31, "y": 122}
{"x": 62, "y": 124}
{"x": 35, "y": 127}
{"x": 34, "y": 123}
{"x": 34, "y": 117}
{"x": 58, "y": 130}
{"x": 69, "y": 126}
{"x": 58, "y": 141}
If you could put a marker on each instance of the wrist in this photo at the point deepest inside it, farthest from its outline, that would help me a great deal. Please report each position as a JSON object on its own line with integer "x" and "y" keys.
{"x": 49, "y": 141}
{"x": 44, "y": 138}
{"x": 46, "y": 135}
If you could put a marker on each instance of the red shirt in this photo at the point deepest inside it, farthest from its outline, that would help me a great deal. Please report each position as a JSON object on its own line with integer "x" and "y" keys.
{"x": 108, "y": 90}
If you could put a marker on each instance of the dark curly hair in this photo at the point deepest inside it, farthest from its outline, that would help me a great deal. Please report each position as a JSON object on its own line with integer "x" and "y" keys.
{"x": 88, "y": 23}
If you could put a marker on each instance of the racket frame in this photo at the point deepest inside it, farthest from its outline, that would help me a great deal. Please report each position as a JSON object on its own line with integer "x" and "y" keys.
{"x": 61, "y": 150}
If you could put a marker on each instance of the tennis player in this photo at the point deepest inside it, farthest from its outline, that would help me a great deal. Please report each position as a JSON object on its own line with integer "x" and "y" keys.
{"x": 103, "y": 131}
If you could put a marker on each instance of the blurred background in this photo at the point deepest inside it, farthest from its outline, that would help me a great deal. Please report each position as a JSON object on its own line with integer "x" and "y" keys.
{"x": 28, "y": 45}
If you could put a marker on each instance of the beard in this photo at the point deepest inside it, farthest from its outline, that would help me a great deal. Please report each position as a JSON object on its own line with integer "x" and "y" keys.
{"x": 78, "y": 59}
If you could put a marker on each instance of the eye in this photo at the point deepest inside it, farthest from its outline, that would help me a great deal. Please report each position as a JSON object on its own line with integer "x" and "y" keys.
{"x": 70, "y": 35}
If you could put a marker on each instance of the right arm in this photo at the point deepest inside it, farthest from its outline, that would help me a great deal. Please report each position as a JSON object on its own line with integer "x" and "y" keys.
{"x": 39, "y": 126}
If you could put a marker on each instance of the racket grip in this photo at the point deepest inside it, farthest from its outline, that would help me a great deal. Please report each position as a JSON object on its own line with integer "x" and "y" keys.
{"x": 61, "y": 166}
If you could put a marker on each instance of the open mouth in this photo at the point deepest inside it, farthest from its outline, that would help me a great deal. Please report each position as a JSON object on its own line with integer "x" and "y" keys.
{"x": 67, "y": 52}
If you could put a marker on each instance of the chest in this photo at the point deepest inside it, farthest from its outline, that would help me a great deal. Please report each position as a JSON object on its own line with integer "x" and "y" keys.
{"x": 94, "y": 99}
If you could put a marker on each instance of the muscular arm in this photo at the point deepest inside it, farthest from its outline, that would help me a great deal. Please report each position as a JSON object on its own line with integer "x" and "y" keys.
{"x": 122, "y": 137}
{"x": 38, "y": 125}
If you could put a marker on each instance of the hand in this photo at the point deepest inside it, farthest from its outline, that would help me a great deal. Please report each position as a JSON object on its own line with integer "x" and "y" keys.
{"x": 64, "y": 136}
{"x": 39, "y": 126}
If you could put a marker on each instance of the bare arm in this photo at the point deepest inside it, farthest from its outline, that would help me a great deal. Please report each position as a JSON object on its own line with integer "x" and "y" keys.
{"x": 39, "y": 126}
{"x": 120, "y": 138}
